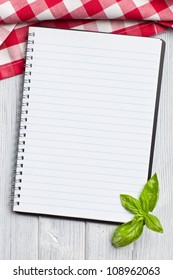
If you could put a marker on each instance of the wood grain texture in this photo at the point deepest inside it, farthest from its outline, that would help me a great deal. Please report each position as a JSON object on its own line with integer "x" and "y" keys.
{"x": 19, "y": 233}
{"x": 25, "y": 236}
{"x": 61, "y": 239}
{"x": 6, "y": 131}
{"x": 98, "y": 243}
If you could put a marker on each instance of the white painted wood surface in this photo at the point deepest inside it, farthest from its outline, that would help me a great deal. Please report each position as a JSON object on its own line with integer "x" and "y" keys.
{"x": 24, "y": 236}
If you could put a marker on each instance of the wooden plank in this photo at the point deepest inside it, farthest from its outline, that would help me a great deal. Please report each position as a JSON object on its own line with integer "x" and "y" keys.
{"x": 61, "y": 239}
{"x": 98, "y": 243}
{"x": 4, "y": 171}
{"x": 19, "y": 235}
{"x": 154, "y": 245}
{"x": 24, "y": 237}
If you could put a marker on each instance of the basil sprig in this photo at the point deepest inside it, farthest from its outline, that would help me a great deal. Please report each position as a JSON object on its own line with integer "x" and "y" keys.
{"x": 132, "y": 230}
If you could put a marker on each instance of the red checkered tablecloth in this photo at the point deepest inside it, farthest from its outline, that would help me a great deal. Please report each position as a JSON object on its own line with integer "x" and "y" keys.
{"x": 132, "y": 17}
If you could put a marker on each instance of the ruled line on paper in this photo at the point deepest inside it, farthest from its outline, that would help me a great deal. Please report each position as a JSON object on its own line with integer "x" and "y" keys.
{"x": 91, "y": 92}
{"x": 89, "y": 122}
{"x": 100, "y": 152}
{"x": 100, "y": 100}
{"x": 77, "y": 84}
{"x": 63, "y": 192}
{"x": 87, "y": 136}
{"x": 74, "y": 178}
{"x": 79, "y": 172}
{"x": 70, "y": 207}
{"x": 74, "y": 186}
{"x": 97, "y": 71}
{"x": 91, "y": 114}
{"x": 96, "y": 63}
{"x": 88, "y": 186}
{"x": 85, "y": 143}
{"x": 91, "y": 107}
{"x": 94, "y": 78}
{"x": 74, "y": 200}
{"x": 100, "y": 56}
{"x": 107, "y": 50}
{"x": 79, "y": 164}
{"x": 90, "y": 129}
{"x": 80, "y": 157}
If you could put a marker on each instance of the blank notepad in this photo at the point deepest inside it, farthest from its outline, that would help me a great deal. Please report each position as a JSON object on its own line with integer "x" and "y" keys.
{"x": 87, "y": 122}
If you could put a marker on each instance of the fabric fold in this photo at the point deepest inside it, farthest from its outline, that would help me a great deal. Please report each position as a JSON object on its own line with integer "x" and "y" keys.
{"x": 132, "y": 17}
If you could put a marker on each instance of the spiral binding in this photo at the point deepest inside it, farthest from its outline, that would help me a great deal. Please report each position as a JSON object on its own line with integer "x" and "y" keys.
{"x": 17, "y": 180}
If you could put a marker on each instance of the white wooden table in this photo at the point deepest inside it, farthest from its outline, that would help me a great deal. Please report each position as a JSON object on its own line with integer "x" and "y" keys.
{"x": 24, "y": 236}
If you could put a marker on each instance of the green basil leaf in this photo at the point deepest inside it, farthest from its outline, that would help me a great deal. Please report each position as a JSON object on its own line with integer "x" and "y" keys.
{"x": 150, "y": 194}
{"x": 153, "y": 223}
{"x": 138, "y": 218}
{"x": 131, "y": 204}
{"x": 127, "y": 233}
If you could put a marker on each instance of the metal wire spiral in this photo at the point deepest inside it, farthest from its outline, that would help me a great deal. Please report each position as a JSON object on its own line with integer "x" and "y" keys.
{"x": 17, "y": 179}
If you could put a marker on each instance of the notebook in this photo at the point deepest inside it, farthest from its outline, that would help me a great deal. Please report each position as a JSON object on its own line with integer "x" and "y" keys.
{"x": 88, "y": 122}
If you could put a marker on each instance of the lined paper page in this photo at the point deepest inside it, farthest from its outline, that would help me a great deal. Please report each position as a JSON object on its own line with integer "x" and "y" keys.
{"x": 90, "y": 119}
